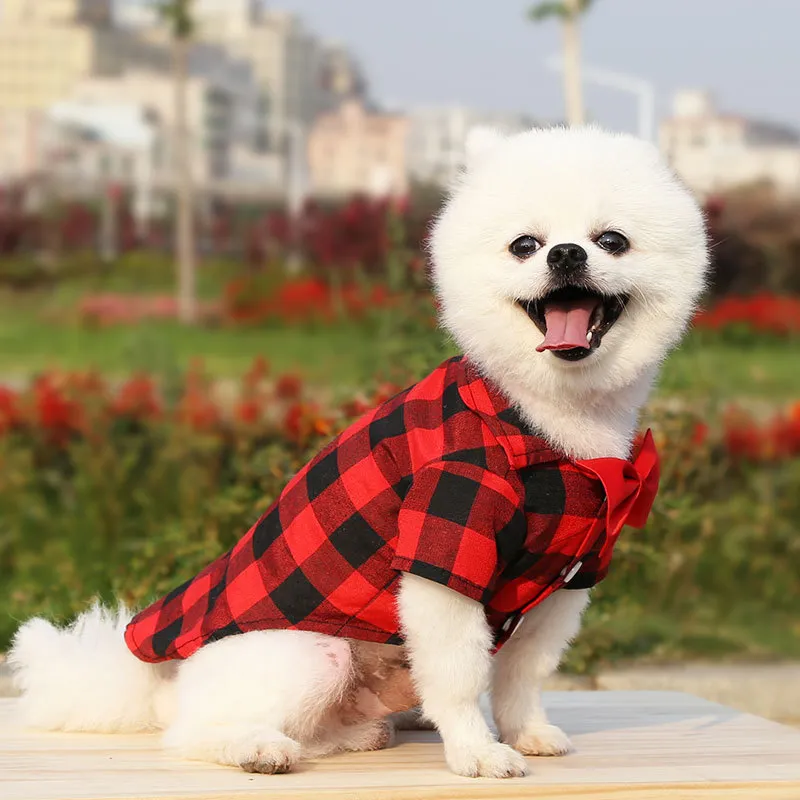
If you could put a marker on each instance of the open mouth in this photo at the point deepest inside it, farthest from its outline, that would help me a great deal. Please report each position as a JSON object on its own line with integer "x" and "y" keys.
{"x": 574, "y": 320}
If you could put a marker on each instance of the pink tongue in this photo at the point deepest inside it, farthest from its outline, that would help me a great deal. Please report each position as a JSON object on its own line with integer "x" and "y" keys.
{"x": 567, "y": 325}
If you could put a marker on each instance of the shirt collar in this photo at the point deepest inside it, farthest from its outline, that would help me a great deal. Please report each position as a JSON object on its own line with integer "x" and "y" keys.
{"x": 630, "y": 485}
{"x": 523, "y": 445}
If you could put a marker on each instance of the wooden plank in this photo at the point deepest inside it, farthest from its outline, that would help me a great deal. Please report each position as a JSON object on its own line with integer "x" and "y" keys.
{"x": 642, "y": 745}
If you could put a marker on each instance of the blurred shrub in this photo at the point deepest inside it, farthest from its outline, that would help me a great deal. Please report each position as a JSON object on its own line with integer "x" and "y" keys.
{"x": 755, "y": 239}
{"x": 359, "y": 235}
{"x": 714, "y": 573}
{"x": 754, "y": 233}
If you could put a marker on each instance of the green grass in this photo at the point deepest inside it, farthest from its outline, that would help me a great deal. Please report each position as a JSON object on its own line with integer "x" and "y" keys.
{"x": 716, "y": 369}
{"x": 33, "y": 337}
{"x": 642, "y": 634}
{"x": 40, "y": 330}
{"x": 343, "y": 354}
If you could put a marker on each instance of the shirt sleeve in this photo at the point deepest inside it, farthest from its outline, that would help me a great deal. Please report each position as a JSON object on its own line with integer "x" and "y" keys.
{"x": 448, "y": 526}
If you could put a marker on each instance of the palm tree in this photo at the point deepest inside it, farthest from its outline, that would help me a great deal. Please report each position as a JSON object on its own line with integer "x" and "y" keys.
{"x": 177, "y": 14}
{"x": 569, "y": 12}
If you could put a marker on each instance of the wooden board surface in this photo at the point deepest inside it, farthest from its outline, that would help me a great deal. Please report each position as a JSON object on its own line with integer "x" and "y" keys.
{"x": 638, "y": 745}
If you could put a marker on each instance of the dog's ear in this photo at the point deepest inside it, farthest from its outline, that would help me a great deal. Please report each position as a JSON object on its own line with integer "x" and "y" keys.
{"x": 481, "y": 141}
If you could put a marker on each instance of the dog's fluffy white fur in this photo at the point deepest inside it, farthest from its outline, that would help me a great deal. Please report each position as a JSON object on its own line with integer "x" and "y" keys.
{"x": 261, "y": 700}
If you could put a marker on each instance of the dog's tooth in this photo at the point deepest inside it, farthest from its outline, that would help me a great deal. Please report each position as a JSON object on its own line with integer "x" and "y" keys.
{"x": 589, "y": 336}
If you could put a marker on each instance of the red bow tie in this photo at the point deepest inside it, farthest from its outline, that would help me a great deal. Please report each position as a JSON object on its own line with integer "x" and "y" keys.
{"x": 631, "y": 486}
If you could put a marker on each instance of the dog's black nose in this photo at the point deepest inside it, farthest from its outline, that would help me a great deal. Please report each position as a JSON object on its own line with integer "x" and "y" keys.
{"x": 567, "y": 257}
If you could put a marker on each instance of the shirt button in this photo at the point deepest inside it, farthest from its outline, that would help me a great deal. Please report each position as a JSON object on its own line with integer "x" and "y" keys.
{"x": 572, "y": 572}
{"x": 510, "y": 625}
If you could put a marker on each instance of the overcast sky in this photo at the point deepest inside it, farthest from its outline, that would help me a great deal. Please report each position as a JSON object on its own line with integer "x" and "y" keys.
{"x": 484, "y": 53}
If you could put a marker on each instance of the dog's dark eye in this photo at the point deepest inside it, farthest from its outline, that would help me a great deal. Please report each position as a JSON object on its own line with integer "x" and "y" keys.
{"x": 615, "y": 243}
{"x": 524, "y": 247}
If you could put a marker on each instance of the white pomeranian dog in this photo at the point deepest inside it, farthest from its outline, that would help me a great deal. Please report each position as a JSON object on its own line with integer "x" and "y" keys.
{"x": 388, "y": 583}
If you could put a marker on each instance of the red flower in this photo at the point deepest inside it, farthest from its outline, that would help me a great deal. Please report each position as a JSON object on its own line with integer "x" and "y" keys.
{"x": 356, "y": 407}
{"x": 303, "y": 420}
{"x": 289, "y": 387}
{"x": 256, "y": 374}
{"x": 743, "y": 439}
{"x": 198, "y": 412}
{"x": 699, "y": 433}
{"x": 253, "y": 299}
{"x": 58, "y": 414}
{"x": 783, "y": 434}
{"x": 137, "y": 399}
{"x": 762, "y": 313}
{"x": 196, "y": 408}
{"x": 248, "y": 411}
{"x": 10, "y": 415}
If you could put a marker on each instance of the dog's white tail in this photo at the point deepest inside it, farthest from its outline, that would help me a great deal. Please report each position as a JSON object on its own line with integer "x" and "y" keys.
{"x": 84, "y": 678}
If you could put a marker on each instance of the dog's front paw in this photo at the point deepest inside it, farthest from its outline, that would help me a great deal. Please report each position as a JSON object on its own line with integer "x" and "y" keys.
{"x": 272, "y": 758}
{"x": 543, "y": 740}
{"x": 491, "y": 760}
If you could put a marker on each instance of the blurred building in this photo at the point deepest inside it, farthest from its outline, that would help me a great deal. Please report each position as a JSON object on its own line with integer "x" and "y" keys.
{"x": 300, "y": 74}
{"x": 69, "y": 50}
{"x": 57, "y": 11}
{"x": 209, "y": 110}
{"x": 713, "y": 151}
{"x": 97, "y": 146}
{"x": 358, "y": 149}
{"x": 225, "y": 120}
{"x": 437, "y": 137}
{"x": 20, "y": 142}
{"x": 46, "y": 46}
{"x": 297, "y": 75}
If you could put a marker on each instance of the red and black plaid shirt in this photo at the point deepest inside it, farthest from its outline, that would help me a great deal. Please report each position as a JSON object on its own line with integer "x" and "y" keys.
{"x": 444, "y": 481}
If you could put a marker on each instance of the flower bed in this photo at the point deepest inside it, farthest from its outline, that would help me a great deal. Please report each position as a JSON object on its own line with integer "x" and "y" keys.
{"x": 760, "y": 313}
{"x": 258, "y": 298}
{"x": 58, "y": 407}
{"x": 126, "y": 309}
{"x": 252, "y": 300}
{"x": 62, "y": 408}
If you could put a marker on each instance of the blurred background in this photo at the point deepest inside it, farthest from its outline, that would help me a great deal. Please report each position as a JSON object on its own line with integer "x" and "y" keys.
{"x": 212, "y": 227}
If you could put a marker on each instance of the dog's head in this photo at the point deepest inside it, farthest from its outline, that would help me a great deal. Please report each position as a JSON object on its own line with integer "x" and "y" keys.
{"x": 568, "y": 262}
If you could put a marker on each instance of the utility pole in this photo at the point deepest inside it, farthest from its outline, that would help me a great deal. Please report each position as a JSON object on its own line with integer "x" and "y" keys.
{"x": 177, "y": 14}
{"x": 570, "y": 13}
{"x": 573, "y": 90}
{"x": 296, "y": 189}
